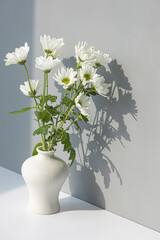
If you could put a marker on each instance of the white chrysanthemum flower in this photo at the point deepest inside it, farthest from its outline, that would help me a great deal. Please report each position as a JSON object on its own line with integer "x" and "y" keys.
{"x": 52, "y": 46}
{"x": 17, "y": 57}
{"x": 100, "y": 86}
{"x": 87, "y": 74}
{"x": 101, "y": 59}
{"x": 82, "y": 103}
{"x": 66, "y": 77}
{"x": 46, "y": 64}
{"x": 84, "y": 52}
{"x": 35, "y": 85}
{"x": 83, "y": 64}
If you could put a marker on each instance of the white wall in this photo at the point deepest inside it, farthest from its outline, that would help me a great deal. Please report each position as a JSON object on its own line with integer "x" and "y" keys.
{"x": 124, "y": 180}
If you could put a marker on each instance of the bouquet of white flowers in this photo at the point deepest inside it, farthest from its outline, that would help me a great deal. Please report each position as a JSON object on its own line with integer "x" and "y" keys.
{"x": 54, "y": 120}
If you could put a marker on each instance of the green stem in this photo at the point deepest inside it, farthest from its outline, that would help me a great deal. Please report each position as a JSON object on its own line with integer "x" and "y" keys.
{"x": 58, "y": 115}
{"x": 47, "y": 83}
{"x": 52, "y": 141}
{"x": 63, "y": 121}
{"x": 44, "y": 141}
{"x": 61, "y": 106}
{"x": 70, "y": 108}
{"x": 44, "y": 85}
{"x": 36, "y": 105}
{"x": 66, "y": 91}
{"x": 71, "y": 124}
{"x": 28, "y": 79}
{"x": 71, "y": 93}
{"x": 50, "y": 146}
{"x": 30, "y": 85}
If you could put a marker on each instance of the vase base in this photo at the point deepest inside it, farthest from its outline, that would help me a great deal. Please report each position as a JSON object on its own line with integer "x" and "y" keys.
{"x": 44, "y": 211}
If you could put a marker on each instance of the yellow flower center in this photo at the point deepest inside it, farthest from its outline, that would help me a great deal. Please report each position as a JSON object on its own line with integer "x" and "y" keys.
{"x": 33, "y": 91}
{"x": 98, "y": 64}
{"x": 87, "y": 76}
{"x": 22, "y": 62}
{"x": 80, "y": 102}
{"x": 47, "y": 51}
{"x": 66, "y": 80}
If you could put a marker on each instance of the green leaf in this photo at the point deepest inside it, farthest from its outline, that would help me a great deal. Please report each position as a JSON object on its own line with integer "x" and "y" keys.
{"x": 42, "y": 130}
{"x": 75, "y": 122}
{"x": 77, "y": 126}
{"x": 82, "y": 117}
{"x": 35, "y": 148}
{"x": 38, "y": 114}
{"x": 60, "y": 133}
{"x": 62, "y": 118}
{"x": 50, "y": 98}
{"x": 44, "y": 116}
{"x": 67, "y": 101}
{"x": 52, "y": 110}
{"x": 21, "y": 111}
{"x": 65, "y": 140}
{"x": 75, "y": 113}
{"x": 90, "y": 91}
{"x": 72, "y": 156}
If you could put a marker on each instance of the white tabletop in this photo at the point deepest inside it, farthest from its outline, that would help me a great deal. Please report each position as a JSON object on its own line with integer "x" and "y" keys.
{"x": 76, "y": 220}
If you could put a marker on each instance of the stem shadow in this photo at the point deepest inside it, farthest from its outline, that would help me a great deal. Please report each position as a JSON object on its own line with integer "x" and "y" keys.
{"x": 90, "y": 173}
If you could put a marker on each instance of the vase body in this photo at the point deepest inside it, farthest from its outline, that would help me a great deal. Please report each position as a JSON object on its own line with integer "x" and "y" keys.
{"x": 44, "y": 175}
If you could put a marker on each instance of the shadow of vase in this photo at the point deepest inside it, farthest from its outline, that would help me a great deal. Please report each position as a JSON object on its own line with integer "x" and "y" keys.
{"x": 89, "y": 192}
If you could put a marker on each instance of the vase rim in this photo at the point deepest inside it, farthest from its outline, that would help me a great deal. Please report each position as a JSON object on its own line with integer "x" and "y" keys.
{"x": 39, "y": 150}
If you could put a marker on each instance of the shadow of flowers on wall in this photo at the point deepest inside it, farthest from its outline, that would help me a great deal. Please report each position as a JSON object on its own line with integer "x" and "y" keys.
{"x": 96, "y": 139}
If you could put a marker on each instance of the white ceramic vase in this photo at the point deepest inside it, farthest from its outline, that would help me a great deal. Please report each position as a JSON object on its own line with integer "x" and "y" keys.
{"x": 44, "y": 175}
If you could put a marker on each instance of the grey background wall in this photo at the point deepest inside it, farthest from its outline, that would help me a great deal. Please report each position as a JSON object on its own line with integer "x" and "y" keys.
{"x": 121, "y": 174}
{"x": 16, "y": 19}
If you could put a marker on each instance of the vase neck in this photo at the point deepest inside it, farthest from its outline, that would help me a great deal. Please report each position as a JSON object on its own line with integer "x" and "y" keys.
{"x": 45, "y": 153}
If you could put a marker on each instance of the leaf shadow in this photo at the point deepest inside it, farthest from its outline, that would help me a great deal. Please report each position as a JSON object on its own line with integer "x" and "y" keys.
{"x": 95, "y": 140}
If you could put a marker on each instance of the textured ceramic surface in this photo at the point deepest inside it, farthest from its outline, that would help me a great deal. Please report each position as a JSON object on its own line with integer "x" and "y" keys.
{"x": 44, "y": 175}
